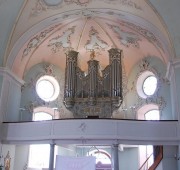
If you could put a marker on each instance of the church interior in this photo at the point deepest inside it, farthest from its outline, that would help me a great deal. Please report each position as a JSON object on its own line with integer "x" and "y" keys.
{"x": 90, "y": 79}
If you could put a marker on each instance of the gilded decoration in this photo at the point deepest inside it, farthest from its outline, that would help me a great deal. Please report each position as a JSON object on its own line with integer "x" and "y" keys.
{"x": 62, "y": 41}
{"x": 36, "y": 41}
{"x": 126, "y": 38}
{"x": 95, "y": 41}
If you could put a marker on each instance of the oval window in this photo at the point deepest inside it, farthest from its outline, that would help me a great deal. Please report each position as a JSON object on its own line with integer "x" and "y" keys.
{"x": 150, "y": 85}
{"x": 147, "y": 84}
{"x": 47, "y": 88}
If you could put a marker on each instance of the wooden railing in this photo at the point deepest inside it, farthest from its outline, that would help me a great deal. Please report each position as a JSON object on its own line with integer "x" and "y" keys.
{"x": 157, "y": 159}
{"x": 145, "y": 163}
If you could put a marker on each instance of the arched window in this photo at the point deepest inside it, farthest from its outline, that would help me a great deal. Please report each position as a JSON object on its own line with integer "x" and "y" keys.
{"x": 39, "y": 154}
{"x": 101, "y": 156}
{"x": 152, "y": 115}
{"x": 148, "y": 112}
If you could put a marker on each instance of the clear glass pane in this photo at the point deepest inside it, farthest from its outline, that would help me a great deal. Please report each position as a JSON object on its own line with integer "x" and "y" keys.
{"x": 152, "y": 115}
{"x": 100, "y": 157}
{"x": 150, "y": 85}
{"x": 42, "y": 116}
{"x": 39, "y": 156}
{"x": 45, "y": 89}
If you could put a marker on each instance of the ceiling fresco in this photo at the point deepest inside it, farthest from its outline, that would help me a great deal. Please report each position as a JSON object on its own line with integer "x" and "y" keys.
{"x": 57, "y": 26}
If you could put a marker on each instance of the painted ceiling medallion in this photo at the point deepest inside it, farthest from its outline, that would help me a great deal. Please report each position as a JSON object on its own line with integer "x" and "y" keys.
{"x": 126, "y": 38}
{"x": 95, "y": 41}
{"x": 62, "y": 41}
{"x": 53, "y": 2}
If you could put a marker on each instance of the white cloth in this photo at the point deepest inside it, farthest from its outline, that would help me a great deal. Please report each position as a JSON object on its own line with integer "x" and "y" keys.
{"x": 75, "y": 163}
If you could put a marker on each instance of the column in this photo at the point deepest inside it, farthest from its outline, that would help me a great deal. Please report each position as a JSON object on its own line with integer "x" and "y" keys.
{"x": 115, "y": 156}
{"x": 51, "y": 157}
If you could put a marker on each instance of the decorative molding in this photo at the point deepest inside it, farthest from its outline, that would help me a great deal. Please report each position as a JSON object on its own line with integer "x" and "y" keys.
{"x": 44, "y": 5}
{"x": 6, "y": 72}
{"x": 62, "y": 41}
{"x": 155, "y": 98}
{"x": 126, "y": 38}
{"x": 36, "y": 40}
{"x": 35, "y": 101}
{"x": 52, "y": 3}
{"x": 100, "y": 131}
{"x": 38, "y": 8}
{"x": 78, "y": 2}
{"x": 144, "y": 32}
{"x": 82, "y": 127}
{"x": 95, "y": 41}
{"x": 171, "y": 66}
{"x": 128, "y": 3}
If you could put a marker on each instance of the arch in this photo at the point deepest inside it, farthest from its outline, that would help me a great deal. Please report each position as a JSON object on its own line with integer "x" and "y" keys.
{"x": 144, "y": 109}
{"x": 52, "y": 111}
{"x": 54, "y": 22}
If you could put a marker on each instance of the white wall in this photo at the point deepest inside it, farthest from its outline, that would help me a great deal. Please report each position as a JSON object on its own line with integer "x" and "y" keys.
{"x": 21, "y": 156}
{"x": 128, "y": 159}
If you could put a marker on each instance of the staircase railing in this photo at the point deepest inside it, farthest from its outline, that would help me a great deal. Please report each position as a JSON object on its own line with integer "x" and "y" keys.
{"x": 157, "y": 159}
{"x": 144, "y": 166}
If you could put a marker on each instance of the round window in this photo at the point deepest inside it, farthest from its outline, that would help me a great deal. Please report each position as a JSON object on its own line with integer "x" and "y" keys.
{"x": 150, "y": 85}
{"x": 47, "y": 88}
{"x": 146, "y": 84}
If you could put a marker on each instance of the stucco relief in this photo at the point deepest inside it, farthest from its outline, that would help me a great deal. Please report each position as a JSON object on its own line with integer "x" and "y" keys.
{"x": 78, "y": 2}
{"x": 144, "y": 32}
{"x": 52, "y": 2}
{"x": 62, "y": 41}
{"x": 128, "y": 3}
{"x": 126, "y": 38}
{"x": 82, "y": 127}
{"x": 38, "y": 8}
{"x": 156, "y": 98}
{"x": 44, "y": 5}
{"x": 35, "y": 41}
{"x": 95, "y": 41}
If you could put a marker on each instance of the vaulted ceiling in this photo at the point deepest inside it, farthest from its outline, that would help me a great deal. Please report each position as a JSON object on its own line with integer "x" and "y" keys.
{"x": 44, "y": 30}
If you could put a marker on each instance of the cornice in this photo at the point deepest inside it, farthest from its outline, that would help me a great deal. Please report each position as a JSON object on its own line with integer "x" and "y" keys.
{"x": 8, "y": 73}
{"x": 171, "y": 66}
